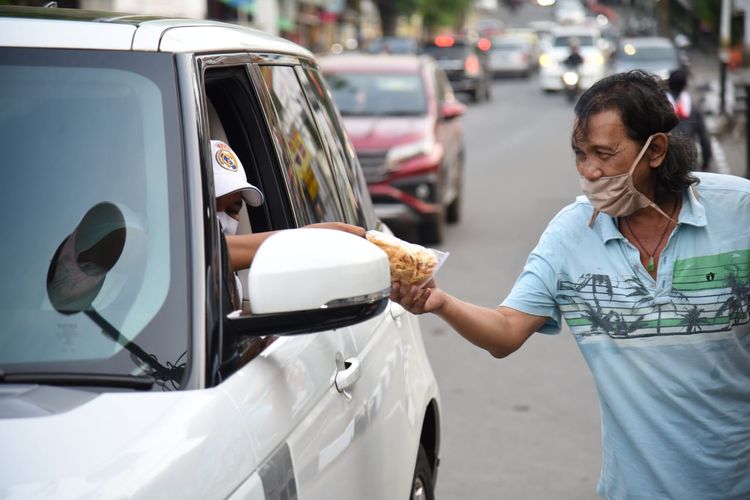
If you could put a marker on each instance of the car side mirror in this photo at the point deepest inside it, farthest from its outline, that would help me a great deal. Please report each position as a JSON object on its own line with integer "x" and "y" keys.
{"x": 681, "y": 41}
{"x": 307, "y": 280}
{"x": 80, "y": 264}
{"x": 450, "y": 110}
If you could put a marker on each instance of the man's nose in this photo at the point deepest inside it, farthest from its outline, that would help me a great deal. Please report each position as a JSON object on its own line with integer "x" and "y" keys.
{"x": 589, "y": 170}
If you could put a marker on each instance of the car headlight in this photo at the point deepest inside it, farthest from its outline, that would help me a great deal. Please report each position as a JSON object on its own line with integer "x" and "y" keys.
{"x": 546, "y": 61}
{"x": 402, "y": 152}
{"x": 597, "y": 60}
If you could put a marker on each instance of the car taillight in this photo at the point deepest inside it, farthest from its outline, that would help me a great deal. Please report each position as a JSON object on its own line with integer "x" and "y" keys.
{"x": 471, "y": 66}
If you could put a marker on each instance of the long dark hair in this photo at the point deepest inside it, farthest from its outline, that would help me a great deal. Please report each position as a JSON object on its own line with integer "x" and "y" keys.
{"x": 644, "y": 109}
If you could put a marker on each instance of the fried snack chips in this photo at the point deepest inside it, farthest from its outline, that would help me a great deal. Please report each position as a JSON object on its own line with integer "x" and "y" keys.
{"x": 410, "y": 263}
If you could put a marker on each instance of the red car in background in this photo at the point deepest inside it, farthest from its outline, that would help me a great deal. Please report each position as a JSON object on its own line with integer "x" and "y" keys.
{"x": 405, "y": 124}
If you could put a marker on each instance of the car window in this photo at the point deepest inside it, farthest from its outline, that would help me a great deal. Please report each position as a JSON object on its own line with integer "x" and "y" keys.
{"x": 94, "y": 259}
{"x": 378, "y": 93}
{"x": 583, "y": 40}
{"x": 352, "y": 185}
{"x": 455, "y": 52}
{"x": 632, "y": 52}
{"x": 309, "y": 172}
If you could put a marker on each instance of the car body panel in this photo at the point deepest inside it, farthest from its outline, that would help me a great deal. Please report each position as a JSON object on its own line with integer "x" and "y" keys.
{"x": 72, "y": 35}
{"x": 512, "y": 55}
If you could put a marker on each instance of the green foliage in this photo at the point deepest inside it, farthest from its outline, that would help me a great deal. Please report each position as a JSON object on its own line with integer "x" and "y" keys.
{"x": 708, "y": 11}
{"x": 447, "y": 13}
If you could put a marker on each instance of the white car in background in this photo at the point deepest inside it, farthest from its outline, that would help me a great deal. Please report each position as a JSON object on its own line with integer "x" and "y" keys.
{"x": 124, "y": 370}
{"x": 569, "y": 12}
{"x": 556, "y": 48}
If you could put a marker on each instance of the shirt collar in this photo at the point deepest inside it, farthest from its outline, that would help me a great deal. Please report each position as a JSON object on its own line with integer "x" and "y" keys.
{"x": 692, "y": 213}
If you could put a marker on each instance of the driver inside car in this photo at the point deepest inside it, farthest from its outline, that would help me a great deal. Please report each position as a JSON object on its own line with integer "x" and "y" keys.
{"x": 232, "y": 189}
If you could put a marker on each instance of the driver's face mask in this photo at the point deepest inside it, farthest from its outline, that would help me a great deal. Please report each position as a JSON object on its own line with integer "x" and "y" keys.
{"x": 228, "y": 223}
{"x": 616, "y": 195}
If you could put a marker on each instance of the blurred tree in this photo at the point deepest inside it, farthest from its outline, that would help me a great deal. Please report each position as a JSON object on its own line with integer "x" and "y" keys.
{"x": 435, "y": 13}
{"x": 444, "y": 13}
{"x": 389, "y": 11}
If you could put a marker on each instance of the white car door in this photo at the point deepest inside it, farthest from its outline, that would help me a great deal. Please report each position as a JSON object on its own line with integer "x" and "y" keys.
{"x": 385, "y": 430}
{"x": 286, "y": 396}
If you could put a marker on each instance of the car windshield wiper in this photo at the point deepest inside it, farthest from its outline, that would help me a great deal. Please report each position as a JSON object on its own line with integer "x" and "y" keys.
{"x": 139, "y": 382}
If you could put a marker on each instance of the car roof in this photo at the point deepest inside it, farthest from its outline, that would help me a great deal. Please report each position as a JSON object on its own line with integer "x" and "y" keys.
{"x": 358, "y": 62}
{"x": 574, "y": 31}
{"x": 80, "y": 29}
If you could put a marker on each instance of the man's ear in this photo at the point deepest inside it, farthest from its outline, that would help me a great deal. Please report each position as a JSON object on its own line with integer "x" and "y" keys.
{"x": 657, "y": 150}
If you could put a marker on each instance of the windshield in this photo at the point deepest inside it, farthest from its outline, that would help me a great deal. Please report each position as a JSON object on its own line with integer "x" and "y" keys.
{"x": 456, "y": 52}
{"x": 583, "y": 41}
{"x": 378, "y": 94}
{"x": 93, "y": 265}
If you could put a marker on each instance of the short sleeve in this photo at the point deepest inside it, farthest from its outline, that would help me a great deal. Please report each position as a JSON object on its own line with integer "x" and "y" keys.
{"x": 534, "y": 290}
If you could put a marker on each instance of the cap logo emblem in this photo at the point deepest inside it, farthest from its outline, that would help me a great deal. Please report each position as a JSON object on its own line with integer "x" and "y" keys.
{"x": 226, "y": 159}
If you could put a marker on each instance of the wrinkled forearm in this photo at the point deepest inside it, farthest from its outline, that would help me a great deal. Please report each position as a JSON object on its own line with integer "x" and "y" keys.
{"x": 499, "y": 331}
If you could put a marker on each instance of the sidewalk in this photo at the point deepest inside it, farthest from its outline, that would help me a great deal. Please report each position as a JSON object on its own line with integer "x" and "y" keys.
{"x": 728, "y": 135}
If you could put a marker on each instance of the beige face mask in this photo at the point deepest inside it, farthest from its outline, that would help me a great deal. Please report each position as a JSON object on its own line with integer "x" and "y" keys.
{"x": 616, "y": 195}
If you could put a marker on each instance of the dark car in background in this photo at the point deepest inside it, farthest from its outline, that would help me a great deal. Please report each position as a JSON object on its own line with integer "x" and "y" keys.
{"x": 465, "y": 64}
{"x": 405, "y": 124}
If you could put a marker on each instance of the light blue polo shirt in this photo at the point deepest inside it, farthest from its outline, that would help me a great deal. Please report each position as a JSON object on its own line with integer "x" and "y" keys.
{"x": 671, "y": 356}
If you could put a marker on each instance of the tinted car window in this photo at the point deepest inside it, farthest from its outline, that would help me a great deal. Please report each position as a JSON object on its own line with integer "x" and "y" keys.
{"x": 352, "y": 185}
{"x": 453, "y": 52}
{"x": 312, "y": 184}
{"x": 93, "y": 260}
{"x": 369, "y": 94}
{"x": 564, "y": 41}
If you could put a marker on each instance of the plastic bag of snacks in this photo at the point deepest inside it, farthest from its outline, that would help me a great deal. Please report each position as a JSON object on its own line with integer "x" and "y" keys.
{"x": 410, "y": 263}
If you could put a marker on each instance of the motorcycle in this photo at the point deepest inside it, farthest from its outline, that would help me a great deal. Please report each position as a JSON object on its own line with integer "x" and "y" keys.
{"x": 571, "y": 80}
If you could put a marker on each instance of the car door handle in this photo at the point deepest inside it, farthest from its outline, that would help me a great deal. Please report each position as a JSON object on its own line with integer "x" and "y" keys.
{"x": 348, "y": 375}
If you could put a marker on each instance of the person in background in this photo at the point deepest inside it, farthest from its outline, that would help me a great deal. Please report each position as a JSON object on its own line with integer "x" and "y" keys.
{"x": 574, "y": 59}
{"x": 692, "y": 124}
{"x": 651, "y": 271}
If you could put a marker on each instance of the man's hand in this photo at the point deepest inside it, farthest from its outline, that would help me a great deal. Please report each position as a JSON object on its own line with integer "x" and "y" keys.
{"x": 417, "y": 300}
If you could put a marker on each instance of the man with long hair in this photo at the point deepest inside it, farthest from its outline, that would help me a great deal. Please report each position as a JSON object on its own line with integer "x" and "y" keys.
{"x": 651, "y": 272}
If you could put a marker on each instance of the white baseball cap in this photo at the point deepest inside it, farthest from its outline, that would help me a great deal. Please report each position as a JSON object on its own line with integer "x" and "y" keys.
{"x": 229, "y": 176}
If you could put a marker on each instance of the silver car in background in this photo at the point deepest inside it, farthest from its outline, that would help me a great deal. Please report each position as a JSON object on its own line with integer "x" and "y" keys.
{"x": 511, "y": 55}
{"x": 657, "y": 55}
